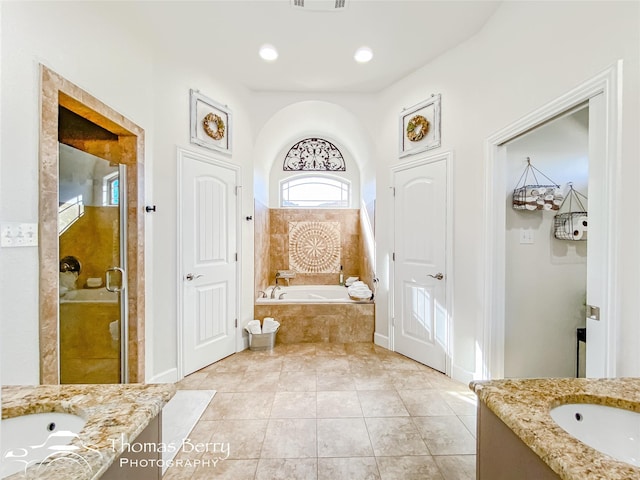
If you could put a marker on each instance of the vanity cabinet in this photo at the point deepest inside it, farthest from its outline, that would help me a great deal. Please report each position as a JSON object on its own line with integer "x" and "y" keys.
{"x": 145, "y": 465}
{"x": 501, "y": 455}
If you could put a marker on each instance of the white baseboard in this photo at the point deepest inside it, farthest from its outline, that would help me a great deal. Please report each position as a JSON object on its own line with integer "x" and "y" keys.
{"x": 381, "y": 340}
{"x": 168, "y": 376}
{"x": 461, "y": 375}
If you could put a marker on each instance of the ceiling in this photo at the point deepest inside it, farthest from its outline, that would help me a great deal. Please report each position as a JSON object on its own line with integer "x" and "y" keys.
{"x": 315, "y": 47}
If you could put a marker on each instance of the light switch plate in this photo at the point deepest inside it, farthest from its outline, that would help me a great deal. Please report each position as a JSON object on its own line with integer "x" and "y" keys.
{"x": 527, "y": 236}
{"x": 14, "y": 234}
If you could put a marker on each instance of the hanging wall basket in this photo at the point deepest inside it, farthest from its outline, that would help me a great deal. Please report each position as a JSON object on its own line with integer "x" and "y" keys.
{"x": 535, "y": 195}
{"x": 573, "y": 224}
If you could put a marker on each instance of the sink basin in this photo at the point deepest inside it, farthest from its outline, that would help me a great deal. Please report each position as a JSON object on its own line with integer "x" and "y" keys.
{"x": 30, "y": 439}
{"x": 612, "y": 431}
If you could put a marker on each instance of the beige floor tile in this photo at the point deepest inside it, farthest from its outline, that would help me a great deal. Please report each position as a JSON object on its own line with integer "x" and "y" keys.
{"x": 243, "y": 438}
{"x": 294, "y": 405}
{"x": 297, "y": 382}
{"x": 379, "y": 416}
{"x": 352, "y": 468}
{"x": 411, "y": 380}
{"x": 373, "y": 380}
{"x": 470, "y": 421}
{"x": 227, "y": 470}
{"x": 462, "y": 403}
{"x": 384, "y": 403}
{"x": 338, "y": 404}
{"x": 330, "y": 349}
{"x": 255, "y": 380}
{"x": 290, "y": 438}
{"x": 240, "y": 406}
{"x": 446, "y": 435}
{"x": 342, "y": 381}
{"x": 343, "y": 437}
{"x": 287, "y": 469}
{"x": 408, "y": 468}
{"x": 457, "y": 467}
{"x": 179, "y": 472}
{"x": 395, "y": 436}
{"x": 425, "y": 403}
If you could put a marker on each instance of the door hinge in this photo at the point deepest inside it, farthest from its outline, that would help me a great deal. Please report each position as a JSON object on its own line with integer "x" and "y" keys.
{"x": 393, "y": 191}
{"x": 236, "y": 323}
{"x": 236, "y": 257}
{"x": 393, "y": 321}
{"x": 393, "y": 257}
{"x": 237, "y": 188}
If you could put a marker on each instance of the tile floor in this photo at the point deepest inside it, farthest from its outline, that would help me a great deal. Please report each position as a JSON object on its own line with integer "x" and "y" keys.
{"x": 330, "y": 411}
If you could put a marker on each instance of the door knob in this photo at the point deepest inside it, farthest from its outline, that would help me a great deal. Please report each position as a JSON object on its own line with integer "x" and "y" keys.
{"x": 437, "y": 276}
{"x": 191, "y": 276}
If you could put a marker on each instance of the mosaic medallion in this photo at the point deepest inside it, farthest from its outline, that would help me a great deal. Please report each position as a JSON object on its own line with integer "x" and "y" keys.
{"x": 314, "y": 247}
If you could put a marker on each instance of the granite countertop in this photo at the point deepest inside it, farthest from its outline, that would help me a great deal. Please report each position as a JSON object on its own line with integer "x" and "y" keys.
{"x": 524, "y": 405}
{"x": 113, "y": 413}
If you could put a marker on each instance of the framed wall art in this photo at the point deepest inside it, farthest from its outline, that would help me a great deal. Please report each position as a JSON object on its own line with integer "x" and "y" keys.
{"x": 420, "y": 127}
{"x": 210, "y": 123}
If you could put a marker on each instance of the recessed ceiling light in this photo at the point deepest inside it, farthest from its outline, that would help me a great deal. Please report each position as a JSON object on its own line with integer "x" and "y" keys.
{"x": 268, "y": 52}
{"x": 363, "y": 55}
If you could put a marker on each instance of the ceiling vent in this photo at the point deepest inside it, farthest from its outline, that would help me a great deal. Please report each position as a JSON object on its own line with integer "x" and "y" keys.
{"x": 319, "y": 5}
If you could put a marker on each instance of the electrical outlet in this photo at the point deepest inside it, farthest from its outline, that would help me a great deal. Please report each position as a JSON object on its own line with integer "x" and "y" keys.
{"x": 527, "y": 236}
{"x": 14, "y": 234}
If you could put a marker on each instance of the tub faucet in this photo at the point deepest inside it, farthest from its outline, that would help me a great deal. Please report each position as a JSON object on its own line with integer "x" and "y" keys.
{"x": 262, "y": 294}
{"x": 275, "y": 289}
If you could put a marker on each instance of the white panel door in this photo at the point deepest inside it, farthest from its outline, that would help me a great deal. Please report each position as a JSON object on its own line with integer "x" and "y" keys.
{"x": 209, "y": 261}
{"x": 420, "y": 312}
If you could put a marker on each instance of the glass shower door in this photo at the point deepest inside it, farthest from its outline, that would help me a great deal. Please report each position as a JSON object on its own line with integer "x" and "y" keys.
{"x": 92, "y": 269}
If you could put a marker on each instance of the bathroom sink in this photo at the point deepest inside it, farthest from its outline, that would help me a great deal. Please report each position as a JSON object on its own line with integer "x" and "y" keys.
{"x": 29, "y": 439}
{"x": 612, "y": 431}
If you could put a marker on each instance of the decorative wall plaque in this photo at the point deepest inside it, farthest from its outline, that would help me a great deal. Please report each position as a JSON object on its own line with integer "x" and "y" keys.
{"x": 314, "y": 247}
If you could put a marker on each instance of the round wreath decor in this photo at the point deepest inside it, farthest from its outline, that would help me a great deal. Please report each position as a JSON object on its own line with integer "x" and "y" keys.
{"x": 213, "y": 119}
{"x": 417, "y": 128}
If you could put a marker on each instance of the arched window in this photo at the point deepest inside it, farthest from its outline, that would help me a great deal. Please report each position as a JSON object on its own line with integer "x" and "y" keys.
{"x": 315, "y": 191}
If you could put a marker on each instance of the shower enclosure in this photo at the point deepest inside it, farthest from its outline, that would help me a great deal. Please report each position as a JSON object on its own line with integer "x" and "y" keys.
{"x": 92, "y": 280}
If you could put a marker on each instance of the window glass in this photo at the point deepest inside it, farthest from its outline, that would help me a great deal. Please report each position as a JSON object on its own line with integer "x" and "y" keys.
{"x": 315, "y": 192}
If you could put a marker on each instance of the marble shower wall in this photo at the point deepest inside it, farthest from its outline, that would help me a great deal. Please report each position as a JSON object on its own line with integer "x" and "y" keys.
{"x": 346, "y": 223}
{"x": 261, "y": 246}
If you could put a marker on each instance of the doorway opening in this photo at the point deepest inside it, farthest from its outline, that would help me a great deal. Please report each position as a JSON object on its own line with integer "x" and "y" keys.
{"x": 100, "y": 131}
{"x": 602, "y": 95}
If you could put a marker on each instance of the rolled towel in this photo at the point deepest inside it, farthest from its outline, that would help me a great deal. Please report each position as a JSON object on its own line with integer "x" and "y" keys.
{"x": 253, "y": 327}
{"x": 269, "y": 325}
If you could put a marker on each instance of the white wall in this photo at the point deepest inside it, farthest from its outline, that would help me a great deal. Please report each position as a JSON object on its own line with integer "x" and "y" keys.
{"x": 105, "y": 59}
{"x": 486, "y": 83}
{"x": 546, "y": 280}
{"x": 527, "y": 54}
{"x": 171, "y": 129}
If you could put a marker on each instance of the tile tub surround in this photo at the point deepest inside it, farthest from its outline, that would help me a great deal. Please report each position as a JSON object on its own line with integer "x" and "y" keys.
{"x": 334, "y": 322}
{"x": 112, "y": 412}
{"x": 524, "y": 406}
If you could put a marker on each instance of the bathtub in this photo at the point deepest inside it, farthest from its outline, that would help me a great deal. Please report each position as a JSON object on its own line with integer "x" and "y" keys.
{"x": 318, "y": 313}
{"x": 30, "y": 439}
{"x": 309, "y": 294}
{"x": 89, "y": 295}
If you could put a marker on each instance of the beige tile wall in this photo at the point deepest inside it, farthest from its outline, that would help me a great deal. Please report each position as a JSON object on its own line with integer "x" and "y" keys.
{"x": 278, "y": 247}
{"x": 261, "y": 246}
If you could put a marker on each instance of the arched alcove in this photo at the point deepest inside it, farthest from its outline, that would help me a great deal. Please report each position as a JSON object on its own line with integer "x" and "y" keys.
{"x": 295, "y": 122}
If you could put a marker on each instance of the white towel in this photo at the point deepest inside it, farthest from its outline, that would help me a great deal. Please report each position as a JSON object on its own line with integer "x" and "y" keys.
{"x": 269, "y": 325}
{"x": 253, "y": 327}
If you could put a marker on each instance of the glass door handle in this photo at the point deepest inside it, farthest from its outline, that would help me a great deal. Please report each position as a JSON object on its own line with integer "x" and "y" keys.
{"x": 115, "y": 288}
